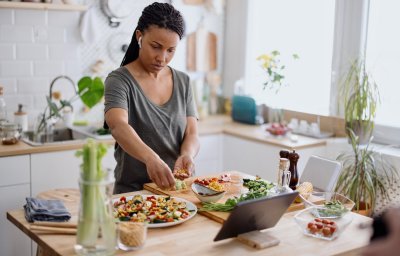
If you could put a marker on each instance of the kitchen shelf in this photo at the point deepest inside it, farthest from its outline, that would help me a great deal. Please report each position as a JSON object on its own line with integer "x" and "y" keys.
{"x": 43, "y": 6}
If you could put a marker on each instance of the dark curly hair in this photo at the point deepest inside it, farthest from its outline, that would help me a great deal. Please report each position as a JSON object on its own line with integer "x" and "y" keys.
{"x": 163, "y": 15}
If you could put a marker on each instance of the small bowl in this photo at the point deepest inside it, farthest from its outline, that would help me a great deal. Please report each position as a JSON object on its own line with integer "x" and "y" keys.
{"x": 321, "y": 211}
{"x": 278, "y": 129}
{"x": 306, "y": 216}
{"x": 205, "y": 194}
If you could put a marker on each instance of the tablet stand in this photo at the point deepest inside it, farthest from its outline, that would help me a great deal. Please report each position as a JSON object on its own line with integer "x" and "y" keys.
{"x": 258, "y": 239}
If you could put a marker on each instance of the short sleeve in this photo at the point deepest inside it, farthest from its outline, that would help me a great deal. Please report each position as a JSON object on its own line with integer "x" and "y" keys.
{"x": 191, "y": 109}
{"x": 116, "y": 92}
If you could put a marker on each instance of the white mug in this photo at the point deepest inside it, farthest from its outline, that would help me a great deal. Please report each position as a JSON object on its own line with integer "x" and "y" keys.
{"x": 314, "y": 129}
{"x": 303, "y": 127}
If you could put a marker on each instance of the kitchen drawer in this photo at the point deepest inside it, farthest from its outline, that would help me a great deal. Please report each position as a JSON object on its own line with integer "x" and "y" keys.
{"x": 13, "y": 242}
{"x": 14, "y": 170}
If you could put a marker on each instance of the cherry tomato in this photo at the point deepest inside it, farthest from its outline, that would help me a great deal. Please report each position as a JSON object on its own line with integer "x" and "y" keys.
{"x": 332, "y": 228}
{"x": 319, "y": 225}
{"x": 326, "y": 221}
{"x": 317, "y": 220}
{"x": 313, "y": 229}
{"x": 326, "y": 231}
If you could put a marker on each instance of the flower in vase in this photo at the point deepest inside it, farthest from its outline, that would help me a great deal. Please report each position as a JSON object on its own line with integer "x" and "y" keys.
{"x": 274, "y": 70}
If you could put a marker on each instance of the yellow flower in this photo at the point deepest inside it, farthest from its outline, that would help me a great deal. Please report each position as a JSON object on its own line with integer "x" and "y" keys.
{"x": 274, "y": 70}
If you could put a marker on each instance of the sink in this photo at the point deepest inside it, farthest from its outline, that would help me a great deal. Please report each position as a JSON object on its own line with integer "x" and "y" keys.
{"x": 92, "y": 131}
{"x": 60, "y": 136}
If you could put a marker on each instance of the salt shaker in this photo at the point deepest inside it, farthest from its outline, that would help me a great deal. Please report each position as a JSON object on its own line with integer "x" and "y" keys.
{"x": 283, "y": 175}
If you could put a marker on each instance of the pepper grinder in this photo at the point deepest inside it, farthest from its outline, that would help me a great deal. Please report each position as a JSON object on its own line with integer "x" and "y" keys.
{"x": 294, "y": 177}
{"x": 284, "y": 153}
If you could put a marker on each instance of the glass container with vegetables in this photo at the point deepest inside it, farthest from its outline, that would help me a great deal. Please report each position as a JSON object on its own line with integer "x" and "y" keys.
{"x": 96, "y": 233}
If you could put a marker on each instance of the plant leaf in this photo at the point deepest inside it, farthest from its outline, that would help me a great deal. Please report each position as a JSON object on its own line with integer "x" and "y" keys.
{"x": 91, "y": 91}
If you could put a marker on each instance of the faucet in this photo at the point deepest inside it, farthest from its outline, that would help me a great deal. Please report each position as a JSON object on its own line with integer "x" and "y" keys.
{"x": 59, "y": 77}
{"x": 54, "y": 81}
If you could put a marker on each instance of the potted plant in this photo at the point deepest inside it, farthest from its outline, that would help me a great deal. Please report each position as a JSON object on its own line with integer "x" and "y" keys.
{"x": 364, "y": 174}
{"x": 361, "y": 96}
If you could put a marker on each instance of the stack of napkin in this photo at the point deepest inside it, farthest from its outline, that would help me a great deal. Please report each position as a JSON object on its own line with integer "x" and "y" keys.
{"x": 45, "y": 210}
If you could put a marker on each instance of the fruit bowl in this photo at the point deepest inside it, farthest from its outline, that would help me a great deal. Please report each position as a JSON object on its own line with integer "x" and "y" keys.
{"x": 328, "y": 204}
{"x": 325, "y": 229}
{"x": 277, "y": 129}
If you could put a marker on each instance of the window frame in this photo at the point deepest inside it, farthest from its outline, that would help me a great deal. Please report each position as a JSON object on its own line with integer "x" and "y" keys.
{"x": 350, "y": 41}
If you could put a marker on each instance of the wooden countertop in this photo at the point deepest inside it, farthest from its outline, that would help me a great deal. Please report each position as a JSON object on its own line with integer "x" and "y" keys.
{"x": 212, "y": 125}
{"x": 195, "y": 237}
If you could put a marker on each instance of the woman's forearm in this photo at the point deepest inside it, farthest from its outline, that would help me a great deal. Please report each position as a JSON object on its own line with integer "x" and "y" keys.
{"x": 190, "y": 145}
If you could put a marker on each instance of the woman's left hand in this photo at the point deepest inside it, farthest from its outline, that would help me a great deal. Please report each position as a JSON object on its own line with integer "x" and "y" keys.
{"x": 184, "y": 162}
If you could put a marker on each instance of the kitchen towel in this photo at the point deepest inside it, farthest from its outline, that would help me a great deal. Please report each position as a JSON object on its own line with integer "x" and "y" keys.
{"x": 89, "y": 26}
{"x": 45, "y": 210}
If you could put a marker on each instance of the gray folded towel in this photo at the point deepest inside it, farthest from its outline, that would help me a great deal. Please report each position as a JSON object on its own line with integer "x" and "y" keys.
{"x": 45, "y": 210}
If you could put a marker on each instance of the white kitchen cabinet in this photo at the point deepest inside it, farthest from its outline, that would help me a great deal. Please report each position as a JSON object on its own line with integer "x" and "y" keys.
{"x": 14, "y": 188}
{"x": 209, "y": 158}
{"x": 259, "y": 158}
{"x": 53, "y": 170}
{"x": 60, "y": 169}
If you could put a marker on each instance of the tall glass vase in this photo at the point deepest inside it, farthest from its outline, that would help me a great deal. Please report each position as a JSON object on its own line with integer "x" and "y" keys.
{"x": 97, "y": 234}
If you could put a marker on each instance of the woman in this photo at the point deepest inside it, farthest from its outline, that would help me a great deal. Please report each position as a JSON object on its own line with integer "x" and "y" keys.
{"x": 149, "y": 106}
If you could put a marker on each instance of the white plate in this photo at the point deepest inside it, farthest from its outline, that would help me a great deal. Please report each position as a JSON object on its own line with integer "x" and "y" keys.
{"x": 191, "y": 208}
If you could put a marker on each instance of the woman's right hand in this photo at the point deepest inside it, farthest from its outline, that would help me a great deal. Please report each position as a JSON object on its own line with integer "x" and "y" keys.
{"x": 160, "y": 173}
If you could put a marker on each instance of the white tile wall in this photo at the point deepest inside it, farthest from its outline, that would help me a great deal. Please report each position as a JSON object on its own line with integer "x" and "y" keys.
{"x": 63, "y": 52}
{"x": 64, "y": 19}
{"x": 15, "y": 68}
{"x": 50, "y": 69}
{"x": 31, "y": 51}
{"x": 44, "y": 34}
{"x": 12, "y": 34}
{"x": 29, "y": 17}
{"x": 10, "y": 85}
{"x": 7, "y": 51}
{"x": 6, "y": 16}
{"x": 33, "y": 85}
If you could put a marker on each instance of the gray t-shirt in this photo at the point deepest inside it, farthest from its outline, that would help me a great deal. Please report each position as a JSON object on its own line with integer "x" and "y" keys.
{"x": 162, "y": 128}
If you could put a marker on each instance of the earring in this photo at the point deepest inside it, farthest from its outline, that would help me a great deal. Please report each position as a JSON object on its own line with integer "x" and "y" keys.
{"x": 140, "y": 42}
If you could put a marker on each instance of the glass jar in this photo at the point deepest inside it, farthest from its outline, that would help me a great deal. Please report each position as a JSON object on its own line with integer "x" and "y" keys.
{"x": 10, "y": 133}
{"x": 97, "y": 233}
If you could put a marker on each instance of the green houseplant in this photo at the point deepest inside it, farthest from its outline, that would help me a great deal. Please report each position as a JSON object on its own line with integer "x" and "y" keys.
{"x": 360, "y": 96}
{"x": 364, "y": 174}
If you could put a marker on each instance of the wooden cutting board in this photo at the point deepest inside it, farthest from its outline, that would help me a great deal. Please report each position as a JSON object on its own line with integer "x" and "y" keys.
{"x": 231, "y": 189}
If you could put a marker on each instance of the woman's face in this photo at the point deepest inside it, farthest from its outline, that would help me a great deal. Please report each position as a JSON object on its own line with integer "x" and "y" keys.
{"x": 158, "y": 47}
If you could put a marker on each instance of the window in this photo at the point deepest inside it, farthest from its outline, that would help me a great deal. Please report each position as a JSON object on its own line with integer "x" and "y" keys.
{"x": 383, "y": 56}
{"x": 288, "y": 26}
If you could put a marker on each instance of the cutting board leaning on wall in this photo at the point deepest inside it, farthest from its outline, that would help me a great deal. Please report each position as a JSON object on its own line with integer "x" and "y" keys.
{"x": 201, "y": 51}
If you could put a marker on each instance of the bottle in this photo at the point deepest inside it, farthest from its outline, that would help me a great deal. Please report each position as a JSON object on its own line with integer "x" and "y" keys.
{"x": 21, "y": 118}
{"x": 3, "y": 107}
{"x": 294, "y": 179}
{"x": 283, "y": 175}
